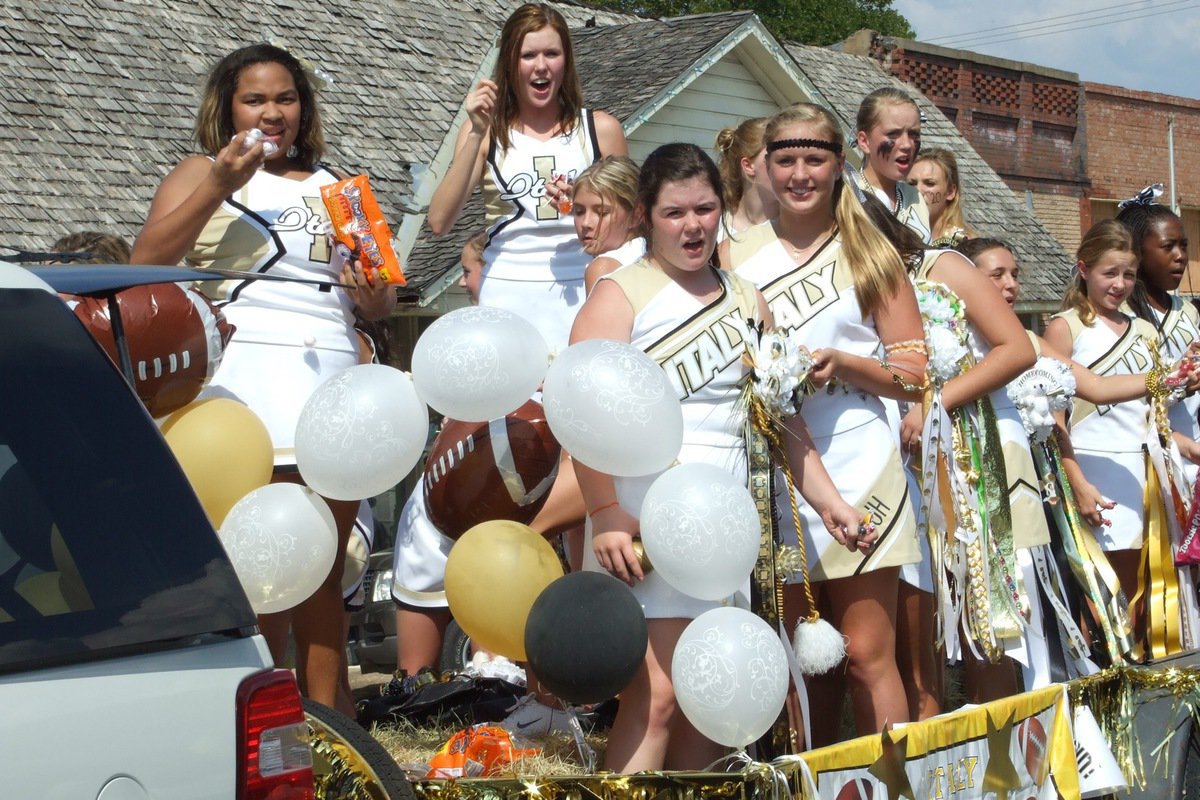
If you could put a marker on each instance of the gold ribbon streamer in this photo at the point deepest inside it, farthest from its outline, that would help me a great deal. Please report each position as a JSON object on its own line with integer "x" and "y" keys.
{"x": 1158, "y": 581}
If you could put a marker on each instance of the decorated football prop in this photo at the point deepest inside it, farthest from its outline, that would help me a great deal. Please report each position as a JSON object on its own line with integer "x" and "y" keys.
{"x": 1033, "y": 743}
{"x": 481, "y": 471}
{"x": 857, "y": 789}
{"x": 176, "y": 338}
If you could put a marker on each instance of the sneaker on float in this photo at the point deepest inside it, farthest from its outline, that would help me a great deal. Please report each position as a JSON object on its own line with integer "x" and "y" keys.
{"x": 531, "y": 718}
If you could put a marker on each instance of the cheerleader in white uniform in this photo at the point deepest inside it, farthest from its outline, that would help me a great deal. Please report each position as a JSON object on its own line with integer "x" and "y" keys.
{"x": 976, "y": 400}
{"x": 527, "y": 137}
{"x": 1116, "y": 446}
{"x": 889, "y": 137}
{"x": 1162, "y": 249}
{"x": 260, "y": 213}
{"x": 667, "y": 304}
{"x": 830, "y": 275}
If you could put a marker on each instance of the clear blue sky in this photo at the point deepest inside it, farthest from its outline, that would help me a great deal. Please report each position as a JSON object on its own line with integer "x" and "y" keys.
{"x": 1142, "y": 44}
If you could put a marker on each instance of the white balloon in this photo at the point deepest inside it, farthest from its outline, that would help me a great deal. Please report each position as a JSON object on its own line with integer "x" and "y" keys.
{"x": 730, "y": 675}
{"x": 701, "y": 530}
{"x": 282, "y": 540}
{"x": 361, "y": 432}
{"x": 613, "y": 408}
{"x": 479, "y": 363}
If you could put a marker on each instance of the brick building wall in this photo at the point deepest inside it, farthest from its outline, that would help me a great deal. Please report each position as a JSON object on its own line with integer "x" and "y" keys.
{"x": 1128, "y": 150}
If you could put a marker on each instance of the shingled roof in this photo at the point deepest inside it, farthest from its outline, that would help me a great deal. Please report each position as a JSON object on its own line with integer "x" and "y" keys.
{"x": 989, "y": 205}
{"x": 98, "y": 98}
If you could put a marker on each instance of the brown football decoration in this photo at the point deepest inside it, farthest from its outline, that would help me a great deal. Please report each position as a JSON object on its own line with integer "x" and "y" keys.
{"x": 176, "y": 338}
{"x": 481, "y": 471}
{"x": 856, "y": 789}
{"x": 1033, "y": 743}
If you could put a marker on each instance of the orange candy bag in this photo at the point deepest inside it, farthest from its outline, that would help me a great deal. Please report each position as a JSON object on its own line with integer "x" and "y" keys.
{"x": 359, "y": 225}
{"x": 480, "y": 750}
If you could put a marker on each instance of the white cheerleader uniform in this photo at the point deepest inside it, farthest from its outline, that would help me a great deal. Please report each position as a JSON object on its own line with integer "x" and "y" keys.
{"x": 849, "y": 427}
{"x": 1177, "y": 329}
{"x": 1108, "y": 440}
{"x": 533, "y": 262}
{"x": 289, "y": 337}
{"x": 701, "y": 348}
{"x": 628, "y": 253}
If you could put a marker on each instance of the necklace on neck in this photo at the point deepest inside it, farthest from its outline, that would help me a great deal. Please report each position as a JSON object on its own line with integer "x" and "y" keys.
{"x": 800, "y": 253}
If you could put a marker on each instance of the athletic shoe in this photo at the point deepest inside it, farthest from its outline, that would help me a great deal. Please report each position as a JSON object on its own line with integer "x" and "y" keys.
{"x": 530, "y": 718}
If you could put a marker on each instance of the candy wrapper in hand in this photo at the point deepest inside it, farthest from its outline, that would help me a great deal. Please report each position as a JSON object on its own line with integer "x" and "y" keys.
{"x": 358, "y": 224}
{"x": 253, "y": 136}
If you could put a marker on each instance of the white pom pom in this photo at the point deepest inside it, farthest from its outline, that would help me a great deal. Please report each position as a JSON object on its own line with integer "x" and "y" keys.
{"x": 270, "y": 148}
{"x": 819, "y": 646}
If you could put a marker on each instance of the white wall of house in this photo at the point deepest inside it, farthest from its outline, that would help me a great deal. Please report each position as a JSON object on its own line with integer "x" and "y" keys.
{"x": 724, "y": 95}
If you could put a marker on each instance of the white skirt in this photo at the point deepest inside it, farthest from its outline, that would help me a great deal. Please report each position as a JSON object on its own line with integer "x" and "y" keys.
{"x": 864, "y": 464}
{"x": 1120, "y": 477}
{"x": 419, "y": 557}
{"x": 549, "y": 305}
{"x": 275, "y": 381}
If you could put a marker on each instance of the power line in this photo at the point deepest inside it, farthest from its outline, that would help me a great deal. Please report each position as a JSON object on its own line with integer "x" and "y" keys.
{"x": 1010, "y": 37}
{"x": 997, "y": 28}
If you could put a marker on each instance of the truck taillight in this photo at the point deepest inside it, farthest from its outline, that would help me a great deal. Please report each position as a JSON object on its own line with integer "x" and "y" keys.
{"x": 274, "y": 759}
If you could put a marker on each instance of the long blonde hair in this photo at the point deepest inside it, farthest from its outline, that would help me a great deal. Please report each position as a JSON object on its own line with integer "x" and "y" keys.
{"x": 952, "y": 217}
{"x": 734, "y": 144}
{"x": 875, "y": 264}
{"x": 530, "y": 18}
{"x": 1103, "y": 237}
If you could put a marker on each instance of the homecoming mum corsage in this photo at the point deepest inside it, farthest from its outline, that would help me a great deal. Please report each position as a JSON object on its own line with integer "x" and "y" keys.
{"x": 780, "y": 365}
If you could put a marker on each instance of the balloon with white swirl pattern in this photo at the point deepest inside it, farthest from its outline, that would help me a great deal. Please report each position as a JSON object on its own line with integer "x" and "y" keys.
{"x": 612, "y": 408}
{"x": 360, "y": 432}
{"x": 281, "y": 539}
{"x": 701, "y": 530}
{"x": 730, "y": 675}
{"x": 479, "y": 363}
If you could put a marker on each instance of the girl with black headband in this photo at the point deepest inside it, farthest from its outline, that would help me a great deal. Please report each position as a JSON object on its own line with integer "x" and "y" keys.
{"x": 831, "y": 276}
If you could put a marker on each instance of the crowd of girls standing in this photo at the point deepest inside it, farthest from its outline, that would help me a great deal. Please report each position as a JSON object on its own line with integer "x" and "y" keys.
{"x": 852, "y": 261}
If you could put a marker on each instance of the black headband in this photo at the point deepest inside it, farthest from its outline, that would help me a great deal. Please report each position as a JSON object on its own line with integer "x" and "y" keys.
{"x": 779, "y": 144}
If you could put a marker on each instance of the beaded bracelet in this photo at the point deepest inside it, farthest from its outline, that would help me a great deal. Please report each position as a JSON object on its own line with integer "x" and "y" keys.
{"x": 907, "y": 346}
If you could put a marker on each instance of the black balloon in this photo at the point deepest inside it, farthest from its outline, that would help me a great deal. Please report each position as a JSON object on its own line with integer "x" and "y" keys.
{"x": 585, "y": 637}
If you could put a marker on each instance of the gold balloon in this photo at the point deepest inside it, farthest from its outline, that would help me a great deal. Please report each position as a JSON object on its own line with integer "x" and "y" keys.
{"x": 493, "y": 574}
{"x": 224, "y": 449}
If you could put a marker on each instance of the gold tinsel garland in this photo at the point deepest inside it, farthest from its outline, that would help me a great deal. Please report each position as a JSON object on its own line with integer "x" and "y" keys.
{"x": 1111, "y": 694}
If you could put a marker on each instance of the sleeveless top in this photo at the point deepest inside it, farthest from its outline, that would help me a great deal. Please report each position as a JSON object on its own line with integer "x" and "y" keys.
{"x": 816, "y": 298}
{"x": 529, "y": 239}
{"x": 1122, "y": 427}
{"x": 699, "y": 345}
{"x": 278, "y": 226}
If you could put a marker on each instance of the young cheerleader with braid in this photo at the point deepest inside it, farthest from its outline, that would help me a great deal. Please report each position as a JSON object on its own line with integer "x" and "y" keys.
{"x": 1123, "y": 449}
{"x": 830, "y": 276}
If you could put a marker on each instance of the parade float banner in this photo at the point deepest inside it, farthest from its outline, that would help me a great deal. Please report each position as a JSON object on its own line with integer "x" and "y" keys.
{"x": 1019, "y": 748}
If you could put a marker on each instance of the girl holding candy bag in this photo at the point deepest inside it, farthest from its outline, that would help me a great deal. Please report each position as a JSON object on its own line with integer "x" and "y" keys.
{"x": 527, "y": 136}
{"x": 240, "y": 207}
